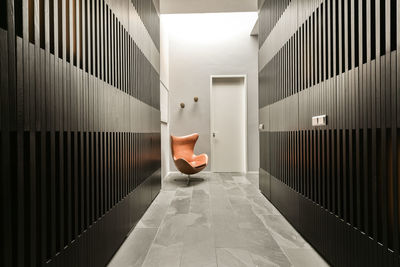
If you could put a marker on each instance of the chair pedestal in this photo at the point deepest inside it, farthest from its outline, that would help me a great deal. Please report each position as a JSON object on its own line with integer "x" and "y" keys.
{"x": 189, "y": 179}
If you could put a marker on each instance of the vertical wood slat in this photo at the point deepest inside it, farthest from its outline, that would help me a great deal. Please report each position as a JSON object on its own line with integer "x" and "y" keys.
{"x": 9, "y": 108}
{"x": 112, "y": 37}
{"x": 76, "y": 173}
{"x": 395, "y": 126}
{"x": 398, "y": 61}
{"x": 377, "y": 124}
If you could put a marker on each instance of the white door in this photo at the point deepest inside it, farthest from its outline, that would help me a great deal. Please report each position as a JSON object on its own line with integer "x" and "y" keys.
{"x": 228, "y": 124}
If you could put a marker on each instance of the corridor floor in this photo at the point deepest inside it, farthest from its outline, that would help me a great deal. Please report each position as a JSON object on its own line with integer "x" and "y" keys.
{"x": 220, "y": 221}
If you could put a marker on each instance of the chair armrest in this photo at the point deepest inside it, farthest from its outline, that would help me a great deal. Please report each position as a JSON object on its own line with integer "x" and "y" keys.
{"x": 200, "y": 161}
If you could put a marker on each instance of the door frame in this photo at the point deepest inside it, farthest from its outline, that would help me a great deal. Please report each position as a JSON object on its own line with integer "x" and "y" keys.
{"x": 244, "y": 76}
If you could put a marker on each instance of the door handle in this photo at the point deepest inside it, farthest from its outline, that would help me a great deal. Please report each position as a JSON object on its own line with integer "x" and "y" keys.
{"x": 213, "y": 134}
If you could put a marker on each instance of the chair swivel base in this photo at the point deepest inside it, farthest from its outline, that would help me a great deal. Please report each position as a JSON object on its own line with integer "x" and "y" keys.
{"x": 189, "y": 179}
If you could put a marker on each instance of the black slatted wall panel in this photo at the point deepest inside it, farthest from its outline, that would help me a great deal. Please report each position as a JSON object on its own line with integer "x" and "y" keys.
{"x": 269, "y": 16}
{"x": 79, "y": 139}
{"x": 337, "y": 184}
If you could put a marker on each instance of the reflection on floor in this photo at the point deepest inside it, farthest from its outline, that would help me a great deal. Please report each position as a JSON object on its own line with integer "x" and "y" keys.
{"x": 220, "y": 221}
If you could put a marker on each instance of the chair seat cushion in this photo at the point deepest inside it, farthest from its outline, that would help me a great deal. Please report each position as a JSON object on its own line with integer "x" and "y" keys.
{"x": 199, "y": 161}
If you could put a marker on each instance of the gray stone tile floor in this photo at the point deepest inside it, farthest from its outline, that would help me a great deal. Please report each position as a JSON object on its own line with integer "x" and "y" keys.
{"x": 221, "y": 220}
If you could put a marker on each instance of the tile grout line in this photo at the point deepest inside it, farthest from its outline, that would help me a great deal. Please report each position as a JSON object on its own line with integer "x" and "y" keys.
{"x": 158, "y": 229}
{"x": 266, "y": 228}
{"x": 183, "y": 239}
{"x": 251, "y": 256}
{"x": 211, "y": 223}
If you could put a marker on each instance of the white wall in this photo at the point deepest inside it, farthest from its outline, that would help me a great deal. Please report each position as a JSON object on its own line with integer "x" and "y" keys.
{"x": 201, "y": 45}
{"x": 164, "y": 106}
{"x": 206, "y": 6}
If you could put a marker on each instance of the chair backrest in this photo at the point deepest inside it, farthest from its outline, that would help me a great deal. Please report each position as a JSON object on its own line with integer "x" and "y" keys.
{"x": 183, "y": 146}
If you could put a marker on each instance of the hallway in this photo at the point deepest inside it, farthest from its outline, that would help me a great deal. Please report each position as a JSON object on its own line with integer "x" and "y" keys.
{"x": 221, "y": 221}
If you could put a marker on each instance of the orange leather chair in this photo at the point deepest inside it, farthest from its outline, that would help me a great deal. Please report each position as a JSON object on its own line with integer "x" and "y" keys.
{"x": 185, "y": 160}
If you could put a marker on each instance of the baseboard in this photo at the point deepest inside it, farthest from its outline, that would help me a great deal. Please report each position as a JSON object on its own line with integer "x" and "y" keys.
{"x": 176, "y": 172}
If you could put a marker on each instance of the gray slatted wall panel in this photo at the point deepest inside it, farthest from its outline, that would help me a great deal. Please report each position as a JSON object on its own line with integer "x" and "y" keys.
{"x": 344, "y": 55}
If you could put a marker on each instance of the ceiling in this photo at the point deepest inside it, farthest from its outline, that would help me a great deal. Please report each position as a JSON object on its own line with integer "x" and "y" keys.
{"x": 206, "y": 6}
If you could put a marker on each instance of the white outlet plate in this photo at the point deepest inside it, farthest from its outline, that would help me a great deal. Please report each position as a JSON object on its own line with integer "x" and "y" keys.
{"x": 320, "y": 120}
